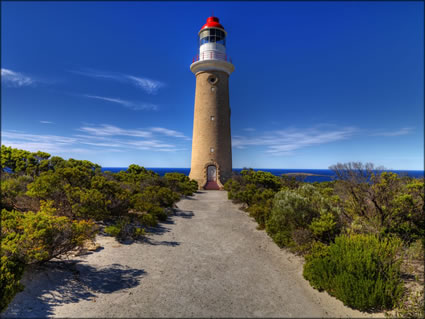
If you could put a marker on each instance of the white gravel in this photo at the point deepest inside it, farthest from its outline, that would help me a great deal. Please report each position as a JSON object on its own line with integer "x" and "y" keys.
{"x": 208, "y": 260}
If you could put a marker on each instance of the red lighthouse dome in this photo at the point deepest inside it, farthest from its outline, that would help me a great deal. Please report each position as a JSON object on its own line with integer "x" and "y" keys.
{"x": 212, "y": 22}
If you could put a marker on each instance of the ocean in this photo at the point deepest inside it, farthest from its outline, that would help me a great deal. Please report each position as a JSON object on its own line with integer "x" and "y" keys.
{"x": 326, "y": 174}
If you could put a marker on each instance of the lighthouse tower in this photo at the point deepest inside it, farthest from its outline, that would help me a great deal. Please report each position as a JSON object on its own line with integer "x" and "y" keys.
{"x": 211, "y": 143}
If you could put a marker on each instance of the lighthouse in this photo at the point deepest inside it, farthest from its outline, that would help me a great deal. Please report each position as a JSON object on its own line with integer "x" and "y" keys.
{"x": 211, "y": 163}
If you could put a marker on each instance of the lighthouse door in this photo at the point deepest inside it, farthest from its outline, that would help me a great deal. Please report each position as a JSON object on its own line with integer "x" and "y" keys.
{"x": 211, "y": 178}
{"x": 212, "y": 173}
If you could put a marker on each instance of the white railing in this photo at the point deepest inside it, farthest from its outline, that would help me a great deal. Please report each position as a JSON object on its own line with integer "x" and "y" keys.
{"x": 212, "y": 55}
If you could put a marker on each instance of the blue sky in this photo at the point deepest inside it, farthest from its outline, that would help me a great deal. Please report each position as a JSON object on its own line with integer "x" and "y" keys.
{"x": 314, "y": 83}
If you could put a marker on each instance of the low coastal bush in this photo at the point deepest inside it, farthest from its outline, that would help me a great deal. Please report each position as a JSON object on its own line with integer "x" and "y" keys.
{"x": 380, "y": 202}
{"x": 181, "y": 183}
{"x": 35, "y": 237}
{"x": 148, "y": 220}
{"x": 124, "y": 229}
{"x": 49, "y": 206}
{"x": 356, "y": 217}
{"x": 11, "y": 272}
{"x": 300, "y": 216}
{"x": 254, "y": 189}
{"x": 363, "y": 271}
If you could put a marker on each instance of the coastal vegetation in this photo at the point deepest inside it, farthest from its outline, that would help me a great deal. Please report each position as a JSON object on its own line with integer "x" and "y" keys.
{"x": 51, "y": 206}
{"x": 362, "y": 234}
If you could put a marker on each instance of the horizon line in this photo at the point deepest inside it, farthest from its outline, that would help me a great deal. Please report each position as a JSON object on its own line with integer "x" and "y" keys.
{"x": 237, "y": 168}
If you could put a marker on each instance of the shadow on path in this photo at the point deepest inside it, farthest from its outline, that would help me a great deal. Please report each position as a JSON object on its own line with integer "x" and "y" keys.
{"x": 161, "y": 229}
{"x": 183, "y": 213}
{"x": 62, "y": 282}
{"x": 154, "y": 242}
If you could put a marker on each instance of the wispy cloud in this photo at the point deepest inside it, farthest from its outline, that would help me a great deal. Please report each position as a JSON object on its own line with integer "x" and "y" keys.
{"x": 125, "y": 103}
{"x": 402, "y": 131}
{"x": 98, "y": 74}
{"x": 249, "y": 129}
{"x": 168, "y": 132}
{"x": 37, "y": 137}
{"x": 111, "y": 130}
{"x": 15, "y": 79}
{"x": 107, "y": 135}
{"x": 148, "y": 85}
{"x": 150, "y": 144}
{"x": 46, "y": 122}
{"x": 37, "y": 142}
{"x": 102, "y": 138}
{"x": 280, "y": 142}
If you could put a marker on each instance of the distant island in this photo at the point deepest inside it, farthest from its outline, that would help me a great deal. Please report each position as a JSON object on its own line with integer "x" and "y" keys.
{"x": 302, "y": 174}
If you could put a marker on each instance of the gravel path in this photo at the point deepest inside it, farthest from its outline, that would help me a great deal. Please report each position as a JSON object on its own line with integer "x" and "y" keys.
{"x": 208, "y": 260}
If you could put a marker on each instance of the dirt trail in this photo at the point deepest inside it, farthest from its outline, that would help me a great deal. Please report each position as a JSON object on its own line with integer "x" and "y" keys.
{"x": 208, "y": 260}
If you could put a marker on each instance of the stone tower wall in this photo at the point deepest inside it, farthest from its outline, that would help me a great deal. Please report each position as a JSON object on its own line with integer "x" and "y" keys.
{"x": 211, "y": 99}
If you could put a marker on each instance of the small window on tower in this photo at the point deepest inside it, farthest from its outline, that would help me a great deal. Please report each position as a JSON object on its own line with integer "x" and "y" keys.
{"x": 212, "y": 79}
{"x": 212, "y": 150}
{"x": 212, "y": 118}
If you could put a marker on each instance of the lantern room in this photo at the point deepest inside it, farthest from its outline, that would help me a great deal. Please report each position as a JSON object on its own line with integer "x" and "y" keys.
{"x": 212, "y": 41}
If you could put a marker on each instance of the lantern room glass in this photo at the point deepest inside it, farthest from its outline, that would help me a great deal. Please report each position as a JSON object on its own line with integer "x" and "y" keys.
{"x": 212, "y": 36}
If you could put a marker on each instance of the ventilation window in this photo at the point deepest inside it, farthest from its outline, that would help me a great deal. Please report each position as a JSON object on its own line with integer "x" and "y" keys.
{"x": 212, "y": 118}
{"x": 212, "y": 79}
{"x": 212, "y": 150}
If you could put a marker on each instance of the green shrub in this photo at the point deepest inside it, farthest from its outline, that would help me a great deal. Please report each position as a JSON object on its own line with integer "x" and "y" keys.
{"x": 251, "y": 187}
{"x": 115, "y": 201}
{"x": 124, "y": 229}
{"x": 153, "y": 196}
{"x": 159, "y": 212}
{"x": 137, "y": 175}
{"x": 13, "y": 189}
{"x": 23, "y": 162}
{"x": 148, "y": 220}
{"x": 262, "y": 205}
{"x": 180, "y": 183}
{"x": 114, "y": 230}
{"x": 38, "y": 237}
{"x": 28, "y": 237}
{"x": 324, "y": 227}
{"x": 261, "y": 212}
{"x": 261, "y": 179}
{"x": 232, "y": 187}
{"x": 292, "y": 209}
{"x": 303, "y": 240}
{"x": 381, "y": 202}
{"x": 305, "y": 208}
{"x": 362, "y": 271}
{"x": 11, "y": 272}
{"x": 290, "y": 182}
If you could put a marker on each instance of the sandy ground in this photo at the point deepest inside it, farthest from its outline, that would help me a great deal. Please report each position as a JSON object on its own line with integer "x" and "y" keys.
{"x": 208, "y": 260}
